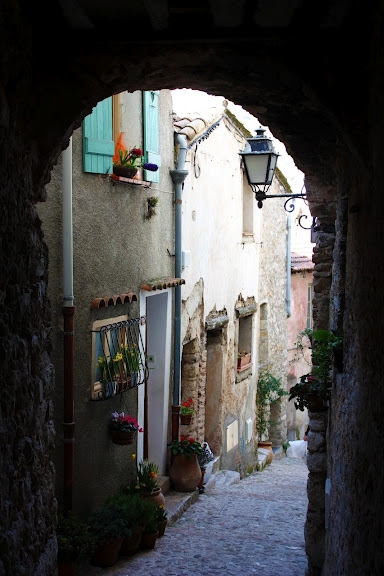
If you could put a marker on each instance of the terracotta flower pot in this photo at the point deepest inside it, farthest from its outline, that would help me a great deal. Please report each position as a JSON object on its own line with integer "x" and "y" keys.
{"x": 315, "y": 403}
{"x": 107, "y": 553}
{"x": 185, "y": 419}
{"x": 131, "y": 545}
{"x": 157, "y": 497}
{"x": 161, "y": 526}
{"x": 148, "y": 541}
{"x": 123, "y": 438}
{"x": 185, "y": 473}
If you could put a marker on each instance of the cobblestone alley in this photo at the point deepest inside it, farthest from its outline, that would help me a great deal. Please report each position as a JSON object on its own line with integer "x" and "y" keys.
{"x": 253, "y": 527}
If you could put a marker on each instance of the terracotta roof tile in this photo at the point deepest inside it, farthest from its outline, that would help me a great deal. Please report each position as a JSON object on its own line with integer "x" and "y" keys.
{"x": 113, "y": 300}
{"x": 162, "y": 283}
{"x": 300, "y": 262}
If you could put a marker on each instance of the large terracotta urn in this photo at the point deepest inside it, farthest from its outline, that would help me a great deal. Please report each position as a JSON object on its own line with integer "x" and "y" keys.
{"x": 157, "y": 496}
{"x": 185, "y": 473}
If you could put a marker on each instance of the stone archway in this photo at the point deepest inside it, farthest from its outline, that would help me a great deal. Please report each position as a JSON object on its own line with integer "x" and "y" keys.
{"x": 290, "y": 70}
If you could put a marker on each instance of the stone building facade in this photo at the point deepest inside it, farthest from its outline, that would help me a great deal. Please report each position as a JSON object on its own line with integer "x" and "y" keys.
{"x": 235, "y": 290}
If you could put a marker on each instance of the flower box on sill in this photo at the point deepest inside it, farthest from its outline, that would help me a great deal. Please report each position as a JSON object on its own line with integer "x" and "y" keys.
{"x": 243, "y": 361}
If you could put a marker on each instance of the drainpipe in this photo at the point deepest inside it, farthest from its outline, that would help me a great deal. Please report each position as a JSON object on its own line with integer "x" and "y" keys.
{"x": 68, "y": 310}
{"x": 289, "y": 236}
{"x": 178, "y": 176}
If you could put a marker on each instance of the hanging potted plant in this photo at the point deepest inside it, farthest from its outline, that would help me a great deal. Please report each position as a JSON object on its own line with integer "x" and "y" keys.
{"x": 123, "y": 427}
{"x": 129, "y": 161}
{"x": 185, "y": 472}
{"x": 186, "y": 412}
{"x": 313, "y": 391}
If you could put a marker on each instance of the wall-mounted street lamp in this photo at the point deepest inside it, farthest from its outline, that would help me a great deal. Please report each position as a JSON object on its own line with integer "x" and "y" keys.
{"x": 260, "y": 159}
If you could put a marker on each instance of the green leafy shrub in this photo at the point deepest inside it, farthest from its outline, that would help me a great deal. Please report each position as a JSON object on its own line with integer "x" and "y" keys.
{"x": 269, "y": 390}
{"x": 109, "y": 522}
{"x": 326, "y": 347}
{"x": 75, "y": 542}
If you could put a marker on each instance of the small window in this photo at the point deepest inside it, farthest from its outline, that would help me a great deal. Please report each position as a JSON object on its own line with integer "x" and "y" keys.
{"x": 309, "y": 306}
{"x": 119, "y": 361}
{"x": 248, "y": 206}
{"x": 244, "y": 358}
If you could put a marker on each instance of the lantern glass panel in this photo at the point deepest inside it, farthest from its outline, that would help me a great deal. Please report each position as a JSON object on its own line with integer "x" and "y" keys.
{"x": 257, "y": 168}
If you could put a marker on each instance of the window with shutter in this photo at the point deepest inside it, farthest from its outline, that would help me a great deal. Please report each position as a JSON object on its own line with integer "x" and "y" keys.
{"x": 151, "y": 133}
{"x": 98, "y": 144}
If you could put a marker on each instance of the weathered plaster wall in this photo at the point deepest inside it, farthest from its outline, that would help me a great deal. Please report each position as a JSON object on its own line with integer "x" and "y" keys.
{"x": 227, "y": 264}
{"x": 299, "y": 361}
{"x": 116, "y": 249}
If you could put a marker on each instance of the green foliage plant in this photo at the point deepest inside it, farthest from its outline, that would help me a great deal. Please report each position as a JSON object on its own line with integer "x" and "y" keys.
{"x": 269, "y": 391}
{"x": 134, "y": 507}
{"x": 161, "y": 513}
{"x": 326, "y": 345}
{"x": 147, "y": 475}
{"x": 151, "y": 517}
{"x": 74, "y": 540}
{"x": 109, "y": 522}
{"x": 186, "y": 446}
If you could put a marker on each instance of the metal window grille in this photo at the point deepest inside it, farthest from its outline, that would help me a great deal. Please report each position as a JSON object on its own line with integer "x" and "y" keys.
{"x": 120, "y": 357}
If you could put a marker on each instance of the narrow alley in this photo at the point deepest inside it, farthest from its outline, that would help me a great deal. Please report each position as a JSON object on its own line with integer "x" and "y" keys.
{"x": 252, "y": 527}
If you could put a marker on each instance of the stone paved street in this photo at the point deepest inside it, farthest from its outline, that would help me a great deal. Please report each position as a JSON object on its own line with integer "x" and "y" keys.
{"x": 253, "y": 527}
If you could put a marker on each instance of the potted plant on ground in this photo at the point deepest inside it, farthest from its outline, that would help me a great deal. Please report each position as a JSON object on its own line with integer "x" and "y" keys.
{"x": 145, "y": 483}
{"x": 162, "y": 519}
{"x": 151, "y": 532}
{"x": 313, "y": 391}
{"x": 137, "y": 512}
{"x": 123, "y": 427}
{"x": 269, "y": 391}
{"x": 75, "y": 543}
{"x": 109, "y": 526}
{"x": 185, "y": 473}
{"x": 186, "y": 412}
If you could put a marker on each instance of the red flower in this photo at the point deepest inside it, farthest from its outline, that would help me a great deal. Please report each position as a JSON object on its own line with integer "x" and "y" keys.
{"x": 136, "y": 152}
{"x": 191, "y": 440}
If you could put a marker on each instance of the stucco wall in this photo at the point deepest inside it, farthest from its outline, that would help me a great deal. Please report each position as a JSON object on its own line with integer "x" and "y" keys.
{"x": 299, "y": 361}
{"x": 116, "y": 249}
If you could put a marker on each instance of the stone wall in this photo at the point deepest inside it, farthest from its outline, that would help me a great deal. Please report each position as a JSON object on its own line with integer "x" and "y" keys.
{"x": 28, "y": 505}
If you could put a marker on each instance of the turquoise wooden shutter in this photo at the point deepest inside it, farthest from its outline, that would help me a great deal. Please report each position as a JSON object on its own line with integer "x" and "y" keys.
{"x": 98, "y": 144}
{"x": 151, "y": 134}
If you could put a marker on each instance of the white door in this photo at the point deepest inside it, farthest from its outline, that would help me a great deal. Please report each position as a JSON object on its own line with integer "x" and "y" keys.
{"x": 154, "y": 396}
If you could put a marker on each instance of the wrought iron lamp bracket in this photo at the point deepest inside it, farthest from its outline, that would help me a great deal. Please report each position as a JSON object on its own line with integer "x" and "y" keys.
{"x": 261, "y": 195}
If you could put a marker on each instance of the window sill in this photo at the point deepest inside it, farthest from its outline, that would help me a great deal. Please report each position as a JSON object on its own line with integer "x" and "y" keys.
{"x": 248, "y": 238}
{"x": 243, "y": 375}
{"x": 131, "y": 181}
